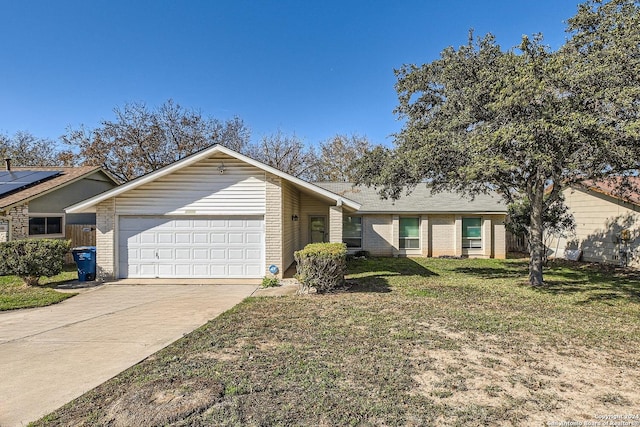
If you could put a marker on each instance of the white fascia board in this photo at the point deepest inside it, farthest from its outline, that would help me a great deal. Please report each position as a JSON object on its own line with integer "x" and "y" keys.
{"x": 89, "y": 204}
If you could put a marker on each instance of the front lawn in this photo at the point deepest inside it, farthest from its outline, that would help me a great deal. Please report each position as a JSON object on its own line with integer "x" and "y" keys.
{"x": 15, "y": 294}
{"x": 413, "y": 342}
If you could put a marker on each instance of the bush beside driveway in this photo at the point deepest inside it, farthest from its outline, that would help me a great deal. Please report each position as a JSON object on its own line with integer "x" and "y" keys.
{"x": 411, "y": 342}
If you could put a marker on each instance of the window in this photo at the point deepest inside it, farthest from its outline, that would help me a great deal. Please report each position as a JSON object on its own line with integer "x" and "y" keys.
{"x": 45, "y": 225}
{"x": 352, "y": 231}
{"x": 472, "y": 233}
{"x": 409, "y": 233}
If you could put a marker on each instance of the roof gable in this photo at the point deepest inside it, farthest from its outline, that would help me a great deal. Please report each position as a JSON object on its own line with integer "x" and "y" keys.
{"x": 199, "y": 156}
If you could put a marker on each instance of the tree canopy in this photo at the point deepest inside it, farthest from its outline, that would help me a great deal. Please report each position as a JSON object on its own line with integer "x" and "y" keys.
{"x": 25, "y": 149}
{"x": 337, "y": 155}
{"x": 515, "y": 121}
{"x": 141, "y": 140}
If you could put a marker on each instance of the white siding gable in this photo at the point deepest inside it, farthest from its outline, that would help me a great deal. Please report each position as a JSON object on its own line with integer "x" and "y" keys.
{"x": 200, "y": 189}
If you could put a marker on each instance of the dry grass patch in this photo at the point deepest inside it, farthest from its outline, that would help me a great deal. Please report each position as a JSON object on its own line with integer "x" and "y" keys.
{"x": 413, "y": 342}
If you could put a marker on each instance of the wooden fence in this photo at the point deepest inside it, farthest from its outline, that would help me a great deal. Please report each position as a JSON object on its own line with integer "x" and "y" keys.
{"x": 80, "y": 235}
{"x": 516, "y": 243}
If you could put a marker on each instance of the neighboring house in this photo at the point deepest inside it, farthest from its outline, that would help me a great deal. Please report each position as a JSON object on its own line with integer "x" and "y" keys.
{"x": 606, "y": 223}
{"x": 220, "y": 214}
{"x": 32, "y": 199}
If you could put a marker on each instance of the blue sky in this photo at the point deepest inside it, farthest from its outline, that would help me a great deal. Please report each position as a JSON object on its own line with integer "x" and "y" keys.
{"x": 313, "y": 68}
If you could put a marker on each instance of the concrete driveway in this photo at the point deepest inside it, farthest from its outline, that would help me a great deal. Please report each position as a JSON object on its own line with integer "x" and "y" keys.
{"x": 51, "y": 355}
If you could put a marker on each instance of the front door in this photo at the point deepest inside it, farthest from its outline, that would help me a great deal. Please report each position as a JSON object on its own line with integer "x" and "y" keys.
{"x": 318, "y": 229}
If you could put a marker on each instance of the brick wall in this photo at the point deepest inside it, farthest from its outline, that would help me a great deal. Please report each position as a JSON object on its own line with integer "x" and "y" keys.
{"x": 273, "y": 224}
{"x": 425, "y": 239}
{"x": 499, "y": 238}
{"x": 105, "y": 239}
{"x": 443, "y": 233}
{"x": 377, "y": 232}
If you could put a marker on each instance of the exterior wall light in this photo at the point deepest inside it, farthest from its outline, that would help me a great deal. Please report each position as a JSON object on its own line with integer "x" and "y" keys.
{"x": 294, "y": 217}
{"x": 221, "y": 168}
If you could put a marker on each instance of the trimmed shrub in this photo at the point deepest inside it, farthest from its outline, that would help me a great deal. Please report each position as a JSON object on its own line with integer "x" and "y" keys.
{"x": 31, "y": 259}
{"x": 322, "y": 266}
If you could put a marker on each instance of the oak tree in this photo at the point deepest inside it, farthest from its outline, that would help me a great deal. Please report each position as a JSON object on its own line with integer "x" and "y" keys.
{"x": 519, "y": 121}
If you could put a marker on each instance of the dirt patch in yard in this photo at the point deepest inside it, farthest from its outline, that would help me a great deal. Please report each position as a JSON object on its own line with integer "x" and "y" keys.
{"x": 161, "y": 402}
{"x": 536, "y": 383}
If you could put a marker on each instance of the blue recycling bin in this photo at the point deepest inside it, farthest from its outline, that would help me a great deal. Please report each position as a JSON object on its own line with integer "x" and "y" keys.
{"x": 85, "y": 258}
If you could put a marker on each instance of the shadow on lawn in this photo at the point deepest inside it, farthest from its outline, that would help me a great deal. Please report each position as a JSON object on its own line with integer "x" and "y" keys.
{"x": 596, "y": 282}
{"x": 506, "y": 271}
{"x": 372, "y": 274}
{"x": 589, "y": 282}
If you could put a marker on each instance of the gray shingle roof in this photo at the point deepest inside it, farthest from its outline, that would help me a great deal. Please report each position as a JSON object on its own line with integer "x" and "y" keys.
{"x": 420, "y": 200}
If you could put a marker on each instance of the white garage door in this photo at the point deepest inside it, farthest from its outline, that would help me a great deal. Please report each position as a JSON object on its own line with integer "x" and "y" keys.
{"x": 170, "y": 247}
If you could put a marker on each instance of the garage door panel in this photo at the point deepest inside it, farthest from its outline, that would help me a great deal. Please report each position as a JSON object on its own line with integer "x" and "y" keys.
{"x": 254, "y": 270}
{"x": 182, "y": 254}
{"x": 200, "y": 254}
{"x": 200, "y": 238}
{"x": 218, "y": 254}
{"x": 253, "y": 238}
{"x": 237, "y": 238}
{"x": 165, "y": 270}
{"x": 191, "y": 247}
{"x": 253, "y": 254}
{"x": 146, "y": 270}
{"x": 254, "y": 224}
{"x": 165, "y": 237}
{"x": 218, "y": 238}
{"x": 235, "y": 270}
{"x": 148, "y": 238}
{"x": 182, "y": 270}
{"x": 183, "y": 237}
{"x": 218, "y": 270}
{"x": 165, "y": 254}
{"x": 147, "y": 254}
{"x": 235, "y": 254}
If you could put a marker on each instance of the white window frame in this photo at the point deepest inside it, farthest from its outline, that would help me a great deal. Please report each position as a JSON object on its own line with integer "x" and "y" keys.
{"x": 467, "y": 241}
{"x": 361, "y": 232}
{"x": 404, "y": 239}
{"x": 47, "y": 215}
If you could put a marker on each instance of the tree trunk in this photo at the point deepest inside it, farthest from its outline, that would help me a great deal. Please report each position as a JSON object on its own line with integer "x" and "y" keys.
{"x": 536, "y": 242}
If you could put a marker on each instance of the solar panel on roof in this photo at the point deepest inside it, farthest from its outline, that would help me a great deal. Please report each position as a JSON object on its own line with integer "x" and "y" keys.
{"x": 11, "y": 181}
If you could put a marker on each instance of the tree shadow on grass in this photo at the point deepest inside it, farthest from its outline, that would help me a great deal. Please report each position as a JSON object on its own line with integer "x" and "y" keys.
{"x": 503, "y": 271}
{"x": 373, "y": 274}
{"x": 589, "y": 282}
{"x": 596, "y": 282}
